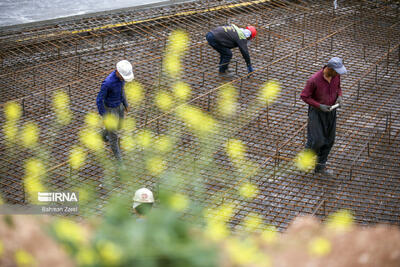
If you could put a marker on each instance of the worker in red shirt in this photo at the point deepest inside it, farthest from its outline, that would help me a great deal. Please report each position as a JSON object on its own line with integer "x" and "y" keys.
{"x": 321, "y": 92}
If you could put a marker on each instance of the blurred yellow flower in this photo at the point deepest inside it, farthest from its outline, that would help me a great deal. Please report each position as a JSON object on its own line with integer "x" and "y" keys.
{"x": 30, "y": 135}
{"x": 111, "y": 121}
{"x": 144, "y": 138}
{"x": 340, "y": 220}
{"x": 68, "y": 230}
{"x": 91, "y": 139}
{"x": 110, "y": 253}
{"x": 23, "y": 258}
{"x": 10, "y": 131}
{"x": 172, "y": 64}
{"x": 216, "y": 230}
{"x": 34, "y": 172}
{"x": 128, "y": 124}
{"x": 12, "y": 111}
{"x": 178, "y": 41}
{"x": 252, "y": 222}
{"x": 134, "y": 93}
{"x": 319, "y": 246}
{"x": 77, "y": 157}
{"x": 235, "y": 149}
{"x": 248, "y": 190}
{"x": 127, "y": 142}
{"x": 182, "y": 90}
{"x": 196, "y": 119}
{"x": 164, "y": 143}
{"x": 178, "y": 202}
{"x": 92, "y": 120}
{"x": 155, "y": 165}
{"x": 306, "y": 160}
{"x": 270, "y": 234}
{"x": 163, "y": 101}
{"x": 86, "y": 256}
{"x": 270, "y": 91}
{"x": 61, "y": 107}
{"x": 227, "y": 100}
{"x": 1, "y": 243}
{"x": 246, "y": 253}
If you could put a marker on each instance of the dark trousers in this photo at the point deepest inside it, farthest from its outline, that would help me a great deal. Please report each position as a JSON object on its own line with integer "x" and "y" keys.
{"x": 321, "y": 131}
{"x": 224, "y": 52}
{"x": 112, "y": 135}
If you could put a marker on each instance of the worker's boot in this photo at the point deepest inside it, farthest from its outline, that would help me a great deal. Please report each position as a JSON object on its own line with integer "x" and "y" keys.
{"x": 226, "y": 74}
{"x": 321, "y": 170}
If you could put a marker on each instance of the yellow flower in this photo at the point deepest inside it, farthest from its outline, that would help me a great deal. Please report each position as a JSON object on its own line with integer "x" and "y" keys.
{"x": 270, "y": 234}
{"x": 155, "y": 165}
{"x": 196, "y": 119}
{"x": 252, "y": 222}
{"x": 172, "y": 65}
{"x": 111, "y": 121}
{"x": 12, "y": 111}
{"x": 10, "y": 131}
{"x": 178, "y": 41}
{"x": 1, "y": 243}
{"x": 319, "y": 246}
{"x": 270, "y": 92}
{"x": 34, "y": 171}
{"x": 86, "y": 256}
{"x": 246, "y": 253}
{"x": 235, "y": 149}
{"x": 164, "y": 144}
{"x": 163, "y": 101}
{"x": 110, "y": 253}
{"x": 29, "y": 135}
{"x": 61, "y": 107}
{"x": 227, "y": 100}
{"x": 216, "y": 230}
{"x": 68, "y": 230}
{"x": 340, "y": 220}
{"x": 144, "y": 138}
{"x": 248, "y": 190}
{"x": 181, "y": 90}
{"x": 23, "y": 258}
{"x": 77, "y": 157}
{"x": 134, "y": 93}
{"x": 91, "y": 139}
{"x": 306, "y": 160}
{"x": 92, "y": 120}
{"x": 127, "y": 142}
{"x": 129, "y": 124}
{"x": 178, "y": 202}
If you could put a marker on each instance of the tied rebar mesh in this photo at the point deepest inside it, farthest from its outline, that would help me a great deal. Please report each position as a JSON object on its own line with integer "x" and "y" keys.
{"x": 295, "y": 39}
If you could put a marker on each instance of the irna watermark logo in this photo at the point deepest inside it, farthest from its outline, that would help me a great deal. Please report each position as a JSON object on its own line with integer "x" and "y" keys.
{"x": 57, "y": 196}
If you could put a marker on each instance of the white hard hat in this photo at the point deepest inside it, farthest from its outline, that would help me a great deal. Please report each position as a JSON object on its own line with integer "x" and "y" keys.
{"x": 125, "y": 69}
{"x": 142, "y": 195}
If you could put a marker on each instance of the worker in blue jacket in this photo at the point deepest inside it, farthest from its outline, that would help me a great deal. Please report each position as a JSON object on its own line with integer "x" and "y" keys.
{"x": 111, "y": 100}
{"x": 224, "y": 38}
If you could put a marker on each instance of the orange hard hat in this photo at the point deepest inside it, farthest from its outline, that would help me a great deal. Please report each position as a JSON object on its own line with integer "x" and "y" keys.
{"x": 253, "y": 31}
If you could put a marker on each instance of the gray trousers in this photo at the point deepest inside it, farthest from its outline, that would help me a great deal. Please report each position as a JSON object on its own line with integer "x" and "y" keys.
{"x": 112, "y": 135}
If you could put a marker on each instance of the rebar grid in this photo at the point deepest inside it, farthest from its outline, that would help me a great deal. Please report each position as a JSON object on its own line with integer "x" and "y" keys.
{"x": 294, "y": 41}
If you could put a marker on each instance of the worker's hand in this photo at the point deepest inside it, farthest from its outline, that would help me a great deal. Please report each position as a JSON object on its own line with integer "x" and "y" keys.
{"x": 324, "y": 108}
{"x": 340, "y": 101}
{"x": 250, "y": 69}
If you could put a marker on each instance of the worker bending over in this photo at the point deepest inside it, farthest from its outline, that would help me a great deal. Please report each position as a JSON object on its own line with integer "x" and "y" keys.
{"x": 224, "y": 38}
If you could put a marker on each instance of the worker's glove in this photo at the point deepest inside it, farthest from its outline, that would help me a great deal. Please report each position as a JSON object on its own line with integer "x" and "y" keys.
{"x": 340, "y": 101}
{"x": 250, "y": 69}
{"x": 324, "y": 108}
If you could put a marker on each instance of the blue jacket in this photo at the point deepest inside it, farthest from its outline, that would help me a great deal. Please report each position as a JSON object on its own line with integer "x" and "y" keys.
{"x": 111, "y": 93}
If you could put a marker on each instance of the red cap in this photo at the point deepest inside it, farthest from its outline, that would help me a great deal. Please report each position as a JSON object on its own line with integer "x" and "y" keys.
{"x": 253, "y": 31}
